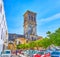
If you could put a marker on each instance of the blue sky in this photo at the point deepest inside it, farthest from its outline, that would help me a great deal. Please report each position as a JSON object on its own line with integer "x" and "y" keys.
{"x": 48, "y": 15}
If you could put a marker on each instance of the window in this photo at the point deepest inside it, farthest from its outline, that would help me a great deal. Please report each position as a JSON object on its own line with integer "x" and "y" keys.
{"x": 34, "y": 18}
{"x": 19, "y": 42}
{"x": 29, "y": 16}
{"x": 32, "y": 38}
{"x": 3, "y": 20}
{"x": 2, "y": 34}
{"x": 30, "y": 29}
{"x": 0, "y": 8}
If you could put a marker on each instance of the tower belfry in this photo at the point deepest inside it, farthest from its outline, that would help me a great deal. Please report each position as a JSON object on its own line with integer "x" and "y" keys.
{"x": 30, "y": 25}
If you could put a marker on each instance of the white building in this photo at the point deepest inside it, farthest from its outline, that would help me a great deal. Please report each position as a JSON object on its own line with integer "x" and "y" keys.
{"x": 3, "y": 28}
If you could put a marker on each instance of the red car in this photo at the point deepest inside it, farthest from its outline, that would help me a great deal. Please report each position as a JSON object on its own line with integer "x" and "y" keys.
{"x": 42, "y": 54}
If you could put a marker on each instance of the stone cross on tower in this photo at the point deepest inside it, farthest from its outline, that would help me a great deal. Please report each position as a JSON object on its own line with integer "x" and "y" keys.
{"x": 30, "y": 25}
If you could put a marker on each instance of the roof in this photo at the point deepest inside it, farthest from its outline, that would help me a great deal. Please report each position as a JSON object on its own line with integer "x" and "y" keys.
{"x": 29, "y": 12}
{"x": 22, "y": 36}
{"x": 14, "y": 36}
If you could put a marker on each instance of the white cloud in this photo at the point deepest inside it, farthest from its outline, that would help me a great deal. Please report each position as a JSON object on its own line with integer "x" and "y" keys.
{"x": 45, "y": 20}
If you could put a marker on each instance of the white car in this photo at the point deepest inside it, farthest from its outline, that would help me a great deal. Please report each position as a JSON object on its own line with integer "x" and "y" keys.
{"x": 6, "y": 53}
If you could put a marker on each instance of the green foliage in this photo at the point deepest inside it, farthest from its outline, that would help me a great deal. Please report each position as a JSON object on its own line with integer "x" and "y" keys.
{"x": 46, "y": 42}
{"x": 52, "y": 38}
{"x": 55, "y": 37}
{"x": 39, "y": 43}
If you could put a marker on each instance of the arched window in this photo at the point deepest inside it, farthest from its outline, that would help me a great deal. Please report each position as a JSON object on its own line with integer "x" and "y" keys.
{"x": 29, "y": 16}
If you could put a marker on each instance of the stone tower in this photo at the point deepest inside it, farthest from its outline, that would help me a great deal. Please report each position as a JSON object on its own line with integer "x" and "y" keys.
{"x": 30, "y": 25}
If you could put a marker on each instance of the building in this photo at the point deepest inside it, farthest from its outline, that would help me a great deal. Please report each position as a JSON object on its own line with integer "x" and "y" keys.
{"x": 3, "y": 27}
{"x": 30, "y": 25}
{"x": 12, "y": 46}
{"x": 11, "y": 36}
{"x": 20, "y": 39}
{"x": 17, "y": 38}
{"x": 30, "y": 33}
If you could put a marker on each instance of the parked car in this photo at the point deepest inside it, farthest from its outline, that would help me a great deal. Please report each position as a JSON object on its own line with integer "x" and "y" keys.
{"x": 6, "y": 53}
{"x": 55, "y": 54}
{"x": 42, "y": 54}
{"x": 29, "y": 53}
{"x": 50, "y": 51}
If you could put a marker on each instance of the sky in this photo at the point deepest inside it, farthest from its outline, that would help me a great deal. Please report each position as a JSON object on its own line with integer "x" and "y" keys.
{"x": 48, "y": 15}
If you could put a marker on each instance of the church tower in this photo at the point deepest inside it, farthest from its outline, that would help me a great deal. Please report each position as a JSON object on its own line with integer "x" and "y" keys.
{"x": 30, "y": 25}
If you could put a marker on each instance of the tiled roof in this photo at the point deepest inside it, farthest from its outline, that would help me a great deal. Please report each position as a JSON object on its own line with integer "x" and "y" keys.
{"x": 14, "y": 36}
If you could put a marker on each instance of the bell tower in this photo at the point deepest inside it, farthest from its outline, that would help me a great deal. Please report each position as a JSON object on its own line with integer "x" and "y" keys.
{"x": 30, "y": 25}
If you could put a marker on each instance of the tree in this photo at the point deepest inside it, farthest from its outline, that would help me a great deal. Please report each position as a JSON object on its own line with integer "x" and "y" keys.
{"x": 48, "y": 33}
{"x": 54, "y": 37}
{"x": 32, "y": 44}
